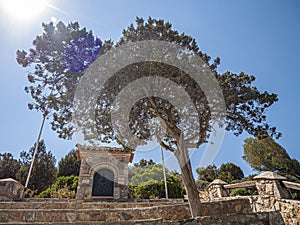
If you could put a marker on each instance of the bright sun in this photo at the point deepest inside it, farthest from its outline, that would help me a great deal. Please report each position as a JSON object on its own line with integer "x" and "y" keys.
{"x": 24, "y": 10}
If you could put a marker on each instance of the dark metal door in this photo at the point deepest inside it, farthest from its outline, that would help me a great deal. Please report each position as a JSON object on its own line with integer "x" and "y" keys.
{"x": 103, "y": 184}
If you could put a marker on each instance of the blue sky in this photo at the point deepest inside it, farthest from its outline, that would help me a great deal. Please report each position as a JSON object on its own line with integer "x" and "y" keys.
{"x": 257, "y": 37}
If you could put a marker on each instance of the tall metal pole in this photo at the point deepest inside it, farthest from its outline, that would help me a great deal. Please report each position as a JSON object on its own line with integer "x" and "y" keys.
{"x": 35, "y": 151}
{"x": 38, "y": 140}
{"x": 164, "y": 171}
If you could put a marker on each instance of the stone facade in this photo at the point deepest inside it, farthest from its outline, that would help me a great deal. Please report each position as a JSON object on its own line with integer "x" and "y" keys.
{"x": 97, "y": 159}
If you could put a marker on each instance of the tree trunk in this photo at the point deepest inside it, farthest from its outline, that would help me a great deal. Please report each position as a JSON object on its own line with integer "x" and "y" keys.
{"x": 188, "y": 180}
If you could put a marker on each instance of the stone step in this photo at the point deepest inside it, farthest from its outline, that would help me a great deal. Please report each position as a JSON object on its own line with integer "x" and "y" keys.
{"x": 169, "y": 212}
{"x": 75, "y": 204}
{"x": 263, "y": 218}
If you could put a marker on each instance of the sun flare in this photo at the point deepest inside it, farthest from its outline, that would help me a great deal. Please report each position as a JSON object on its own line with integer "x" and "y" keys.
{"x": 23, "y": 10}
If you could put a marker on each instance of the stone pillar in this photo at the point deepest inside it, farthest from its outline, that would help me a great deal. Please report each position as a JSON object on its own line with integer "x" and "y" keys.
{"x": 10, "y": 189}
{"x": 270, "y": 189}
{"x": 216, "y": 189}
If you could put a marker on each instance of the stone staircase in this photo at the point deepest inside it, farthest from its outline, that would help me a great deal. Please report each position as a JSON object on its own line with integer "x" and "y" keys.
{"x": 61, "y": 212}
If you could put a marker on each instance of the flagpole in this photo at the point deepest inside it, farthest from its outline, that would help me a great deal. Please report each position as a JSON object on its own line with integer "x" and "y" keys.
{"x": 164, "y": 171}
{"x": 35, "y": 152}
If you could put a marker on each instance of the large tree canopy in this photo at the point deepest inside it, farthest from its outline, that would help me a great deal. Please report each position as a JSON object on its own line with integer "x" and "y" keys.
{"x": 267, "y": 155}
{"x": 62, "y": 52}
{"x": 245, "y": 104}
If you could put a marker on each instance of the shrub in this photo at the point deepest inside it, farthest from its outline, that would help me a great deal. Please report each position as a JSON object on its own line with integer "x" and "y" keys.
{"x": 64, "y": 187}
{"x": 153, "y": 189}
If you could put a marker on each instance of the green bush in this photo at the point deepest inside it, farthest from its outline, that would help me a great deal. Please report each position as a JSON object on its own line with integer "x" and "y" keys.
{"x": 64, "y": 187}
{"x": 175, "y": 189}
{"x": 44, "y": 194}
{"x": 70, "y": 181}
{"x": 156, "y": 189}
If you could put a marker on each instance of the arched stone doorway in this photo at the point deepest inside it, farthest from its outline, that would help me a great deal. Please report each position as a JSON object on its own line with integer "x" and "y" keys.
{"x": 103, "y": 183}
{"x": 103, "y": 172}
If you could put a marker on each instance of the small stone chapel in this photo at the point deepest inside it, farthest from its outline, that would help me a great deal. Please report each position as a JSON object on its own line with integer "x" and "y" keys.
{"x": 103, "y": 173}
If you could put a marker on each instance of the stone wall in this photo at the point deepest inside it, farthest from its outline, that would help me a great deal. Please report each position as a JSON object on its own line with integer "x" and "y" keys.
{"x": 273, "y": 218}
{"x": 75, "y": 211}
{"x": 290, "y": 211}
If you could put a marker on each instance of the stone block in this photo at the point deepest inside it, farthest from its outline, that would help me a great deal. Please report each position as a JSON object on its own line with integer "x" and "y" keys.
{"x": 10, "y": 189}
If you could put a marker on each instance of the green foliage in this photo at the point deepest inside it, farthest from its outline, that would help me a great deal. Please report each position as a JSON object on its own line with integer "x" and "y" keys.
{"x": 227, "y": 172}
{"x": 208, "y": 174}
{"x": 43, "y": 173}
{"x": 146, "y": 181}
{"x": 144, "y": 174}
{"x": 44, "y": 194}
{"x": 266, "y": 155}
{"x": 175, "y": 188}
{"x": 156, "y": 189}
{"x": 70, "y": 181}
{"x": 64, "y": 187}
{"x": 146, "y": 190}
{"x": 8, "y": 166}
{"x": 138, "y": 168}
{"x": 69, "y": 165}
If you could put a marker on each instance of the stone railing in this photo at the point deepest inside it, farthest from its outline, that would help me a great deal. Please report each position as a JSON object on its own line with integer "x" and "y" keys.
{"x": 291, "y": 185}
{"x": 268, "y": 184}
{"x": 273, "y": 195}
